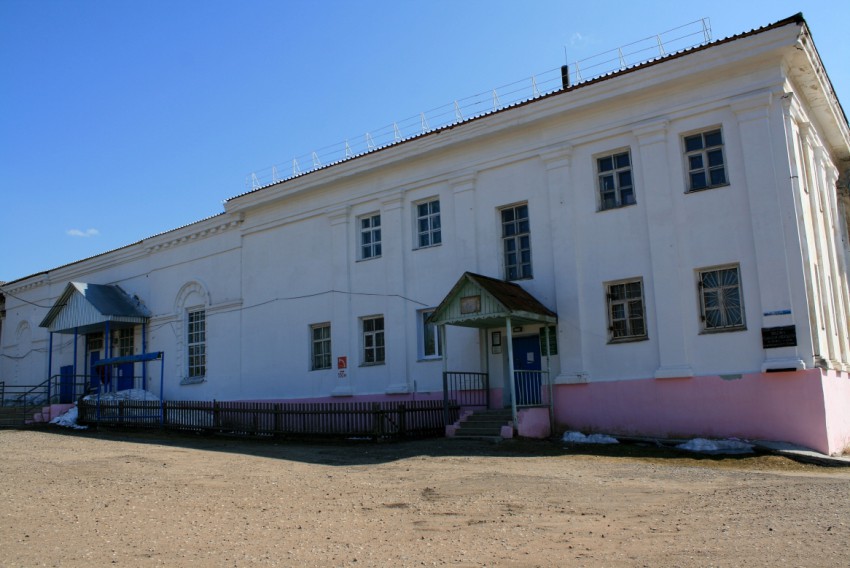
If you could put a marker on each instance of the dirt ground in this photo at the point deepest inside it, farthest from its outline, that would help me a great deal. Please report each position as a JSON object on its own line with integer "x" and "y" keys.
{"x": 96, "y": 499}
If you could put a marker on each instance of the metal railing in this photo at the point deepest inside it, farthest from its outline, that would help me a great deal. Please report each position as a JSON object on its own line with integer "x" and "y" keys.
{"x": 530, "y": 387}
{"x": 467, "y": 389}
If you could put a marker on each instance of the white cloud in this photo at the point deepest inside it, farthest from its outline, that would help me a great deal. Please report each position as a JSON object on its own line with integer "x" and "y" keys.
{"x": 578, "y": 39}
{"x": 86, "y": 233}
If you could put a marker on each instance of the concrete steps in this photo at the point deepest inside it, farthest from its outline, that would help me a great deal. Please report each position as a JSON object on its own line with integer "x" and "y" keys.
{"x": 484, "y": 424}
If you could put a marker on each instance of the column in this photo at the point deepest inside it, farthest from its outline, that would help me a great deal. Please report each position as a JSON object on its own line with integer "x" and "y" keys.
{"x": 773, "y": 220}
{"x": 566, "y": 265}
{"x": 344, "y": 333}
{"x": 466, "y": 247}
{"x": 664, "y": 250}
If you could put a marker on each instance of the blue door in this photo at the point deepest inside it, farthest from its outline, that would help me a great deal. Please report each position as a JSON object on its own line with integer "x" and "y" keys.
{"x": 66, "y": 384}
{"x": 527, "y": 370}
{"x": 124, "y": 380}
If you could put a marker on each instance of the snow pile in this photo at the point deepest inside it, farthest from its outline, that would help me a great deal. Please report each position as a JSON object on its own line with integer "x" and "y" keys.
{"x": 130, "y": 394}
{"x": 579, "y": 438}
{"x": 716, "y": 446}
{"x": 68, "y": 420}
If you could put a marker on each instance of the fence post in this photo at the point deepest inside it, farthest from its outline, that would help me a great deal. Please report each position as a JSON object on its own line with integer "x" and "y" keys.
{"x": 445, "y": 399}
{"x": 402, "y": 421}
{"x": 377, "y": 421}
{"x": 277, "y": 411}
{"x": 216, "y": 415}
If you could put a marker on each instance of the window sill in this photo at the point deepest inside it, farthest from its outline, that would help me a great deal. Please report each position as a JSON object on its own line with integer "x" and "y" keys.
{"x": 616, "y": 207}
{"x": 723, "y": 330}
{"x": 427, "y": 359}
{"x": 373, "y": 364}
{"x": 628, "y": 340}
{"x": 706, "y": 188}
{"x": 368, "y": 259}
{"x": 192, "y": 380}
{"x": 321, "y": 369}
{"x": 428, "y": 246}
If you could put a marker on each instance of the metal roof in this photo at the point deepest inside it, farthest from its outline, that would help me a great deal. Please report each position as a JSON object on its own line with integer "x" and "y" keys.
{"x": 87, "y": 307}
{"x": 492, "y": 301}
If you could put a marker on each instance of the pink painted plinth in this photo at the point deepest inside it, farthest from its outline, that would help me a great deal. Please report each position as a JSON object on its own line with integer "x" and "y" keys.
{"x": 810, "y": 408}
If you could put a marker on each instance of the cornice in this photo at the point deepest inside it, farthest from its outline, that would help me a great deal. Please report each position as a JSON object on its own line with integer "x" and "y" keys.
{"x": 197, "y": 235}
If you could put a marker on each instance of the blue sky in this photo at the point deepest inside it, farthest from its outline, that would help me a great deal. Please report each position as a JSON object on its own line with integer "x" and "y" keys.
{"x": 123, "y": 119}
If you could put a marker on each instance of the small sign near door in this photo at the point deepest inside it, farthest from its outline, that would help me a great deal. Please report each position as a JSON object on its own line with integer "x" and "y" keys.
{"x": 342, "y": 367}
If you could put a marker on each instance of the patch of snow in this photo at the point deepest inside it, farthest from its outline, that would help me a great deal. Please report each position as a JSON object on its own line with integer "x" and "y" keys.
{"x": 702, "y": 445}
{"x": 579, "y": 438}
{"x": 68, "y": 419}
{"x": 130, "y": 394}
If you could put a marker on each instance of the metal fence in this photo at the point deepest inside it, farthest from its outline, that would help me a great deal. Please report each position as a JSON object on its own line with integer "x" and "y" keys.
{"x": 375, "y": 420}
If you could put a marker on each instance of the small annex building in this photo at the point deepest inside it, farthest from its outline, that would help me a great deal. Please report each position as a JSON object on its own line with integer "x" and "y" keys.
{"x": 646, "y": 252}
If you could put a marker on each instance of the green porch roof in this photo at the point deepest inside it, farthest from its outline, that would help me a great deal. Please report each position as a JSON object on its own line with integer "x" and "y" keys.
{"x": 484, "y": 302}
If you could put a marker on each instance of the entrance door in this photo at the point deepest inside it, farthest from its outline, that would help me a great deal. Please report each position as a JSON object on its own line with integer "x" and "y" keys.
{"x": 124, "y": 380}
{"x": 66, "y": 384}
{"x": 527, "y": 370}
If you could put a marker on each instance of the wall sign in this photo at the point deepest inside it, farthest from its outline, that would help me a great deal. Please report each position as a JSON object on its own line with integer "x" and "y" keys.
{"x": 782, "y": 336}
{"x": 470, "y": 305}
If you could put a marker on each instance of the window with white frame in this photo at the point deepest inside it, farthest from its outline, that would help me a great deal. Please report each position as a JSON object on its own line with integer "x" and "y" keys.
{"x": 516, "y": 242}
{"x": 373, "y": 340}
{"x": 429, "y": 336}
{"x": 370, "y": 236}
{"x": 614, "y": 174}
{"x": 626, "y": 314}
{"x": 123, "y": 342}
{"x": 721, "y": 299}
{"x": 428, "y": 231}
{"x": 196, "y": 342}
{"x": 705, "y": 162}
{"x": 320, "y": 341}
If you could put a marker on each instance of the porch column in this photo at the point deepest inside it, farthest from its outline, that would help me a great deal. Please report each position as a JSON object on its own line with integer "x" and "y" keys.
{"x": 445, "y": 355}
{"x": 511, "y": 377}
{"x": 144, "y": 352}
{"x": 49, "y": 364}
{"x": 76, "y": 340}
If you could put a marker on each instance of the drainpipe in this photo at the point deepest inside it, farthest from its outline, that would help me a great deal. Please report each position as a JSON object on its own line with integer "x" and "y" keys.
{"x": 512, "y": 381}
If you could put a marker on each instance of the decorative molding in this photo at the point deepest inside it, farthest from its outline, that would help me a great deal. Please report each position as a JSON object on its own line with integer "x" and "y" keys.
{"x": 653, "y": 131}
{"x": 30, "y": 284}
{"x": 197, "y": 235}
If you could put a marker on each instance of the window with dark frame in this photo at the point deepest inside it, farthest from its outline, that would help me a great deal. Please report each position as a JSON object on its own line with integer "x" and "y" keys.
{"x": 516, "y": 242}
{"x": 626, "y": 313}
{"x": 428, "y": 230}
{"x": 705, "y": 162}
{"x": 721, "y": 299}
{"x": 614, "y": 174}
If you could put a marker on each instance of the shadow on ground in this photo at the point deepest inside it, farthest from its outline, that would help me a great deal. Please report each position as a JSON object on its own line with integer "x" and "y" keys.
{"x": 367, "y": 452}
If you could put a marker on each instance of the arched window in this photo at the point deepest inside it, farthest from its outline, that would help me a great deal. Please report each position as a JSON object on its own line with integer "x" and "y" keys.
{"x": 191, "y": 303}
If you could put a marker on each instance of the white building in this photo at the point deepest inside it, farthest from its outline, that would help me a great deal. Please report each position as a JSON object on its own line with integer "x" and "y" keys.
{"x": 684, "y": 218}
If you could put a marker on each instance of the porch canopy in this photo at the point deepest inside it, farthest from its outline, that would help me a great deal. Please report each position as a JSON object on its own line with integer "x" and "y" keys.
{"x": 482, "y": 302}
{"x": 87, "y": 308}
